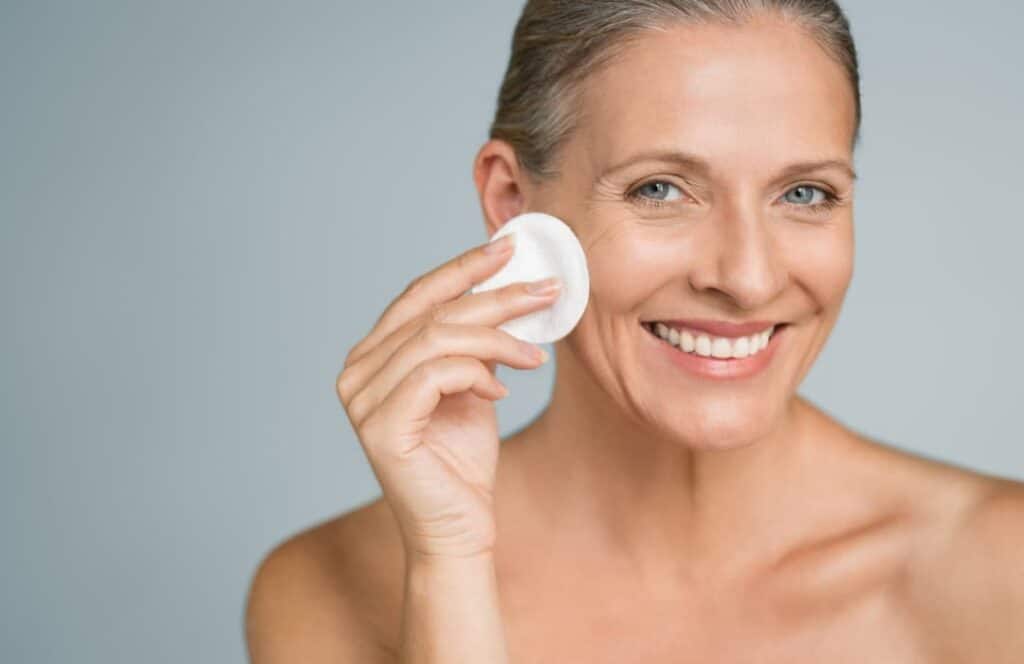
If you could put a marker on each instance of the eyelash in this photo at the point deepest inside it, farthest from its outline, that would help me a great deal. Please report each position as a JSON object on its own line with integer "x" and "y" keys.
{"x": 830, "y": 202}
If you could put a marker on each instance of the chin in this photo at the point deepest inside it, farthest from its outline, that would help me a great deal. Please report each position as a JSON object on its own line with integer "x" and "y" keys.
{"x": 721, "y": 424}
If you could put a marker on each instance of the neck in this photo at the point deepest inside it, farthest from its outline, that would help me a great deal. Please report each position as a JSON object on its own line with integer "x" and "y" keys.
{"x": 611, "y": 483}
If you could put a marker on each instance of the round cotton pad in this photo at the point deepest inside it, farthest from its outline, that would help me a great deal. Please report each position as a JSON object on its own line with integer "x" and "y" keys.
{"x": 544, "y": 247}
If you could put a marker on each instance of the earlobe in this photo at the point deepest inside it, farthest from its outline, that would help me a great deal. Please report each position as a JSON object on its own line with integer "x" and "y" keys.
{"x": 497, "y": 177}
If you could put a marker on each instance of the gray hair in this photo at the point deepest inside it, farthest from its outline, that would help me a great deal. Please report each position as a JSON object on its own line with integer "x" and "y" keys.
{"x": 558, "y": 43}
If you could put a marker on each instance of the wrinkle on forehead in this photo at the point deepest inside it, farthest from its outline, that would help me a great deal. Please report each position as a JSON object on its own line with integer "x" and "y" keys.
{"x": 750, "y": 95}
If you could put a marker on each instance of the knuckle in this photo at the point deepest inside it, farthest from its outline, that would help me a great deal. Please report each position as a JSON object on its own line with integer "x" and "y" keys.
{"x": 368, "y": 431}
{"x": 437, "y": 313}
{"x": 348, "y": 395}
{"x": 462, "y": 263}
{"x": 341, "y": 384}
{"x": 346, "y": 387}
{"x": 353, "y": 355}
{"x": 354, "y": 409}
{"x": 431, "y": 335}
{"x": 429, "y": 372}
{"x": 423, "y": 373}
{"x": 414, "y": 286}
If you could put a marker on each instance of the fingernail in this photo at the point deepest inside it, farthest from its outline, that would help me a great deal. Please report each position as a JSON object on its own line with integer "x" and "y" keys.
{"x": 535, "y": 351}
{"x": 499, "y": 246}
{"x": 544, "y": 286}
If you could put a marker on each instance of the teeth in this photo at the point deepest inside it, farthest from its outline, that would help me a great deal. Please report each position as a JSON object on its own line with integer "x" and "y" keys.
{"x": 721, "y": 347}
{"x": 711, "y": 346}
{"x": 687, "y": 342}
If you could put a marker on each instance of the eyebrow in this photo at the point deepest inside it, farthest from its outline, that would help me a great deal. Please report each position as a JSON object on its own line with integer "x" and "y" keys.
{"x": 702, "y": 167}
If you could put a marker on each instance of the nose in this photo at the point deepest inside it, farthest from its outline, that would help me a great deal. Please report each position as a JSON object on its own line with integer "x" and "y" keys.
{"x": 739, "y": 258}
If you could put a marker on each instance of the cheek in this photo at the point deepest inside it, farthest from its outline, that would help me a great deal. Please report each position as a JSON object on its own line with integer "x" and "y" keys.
{"x": 821, "y": 260}
{"x": 627, "y": 267}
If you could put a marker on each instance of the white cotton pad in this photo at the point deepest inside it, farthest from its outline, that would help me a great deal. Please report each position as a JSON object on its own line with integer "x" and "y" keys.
{"x": 544, "y": 247}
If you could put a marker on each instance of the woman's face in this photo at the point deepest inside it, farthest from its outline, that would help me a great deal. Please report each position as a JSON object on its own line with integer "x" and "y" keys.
{"x": 743, "y": 235}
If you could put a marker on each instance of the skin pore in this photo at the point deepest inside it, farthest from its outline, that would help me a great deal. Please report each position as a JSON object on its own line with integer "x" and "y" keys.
{"x": 679, "y": 472}
{"x": 645, "y": 493}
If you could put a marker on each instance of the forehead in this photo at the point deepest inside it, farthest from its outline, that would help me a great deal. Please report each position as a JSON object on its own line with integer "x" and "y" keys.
{"x": 723, "y": 91}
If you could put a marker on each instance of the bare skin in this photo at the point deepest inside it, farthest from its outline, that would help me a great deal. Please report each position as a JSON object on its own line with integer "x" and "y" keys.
{"x": 874, "y": 587}
{"x": 653, "y": 516}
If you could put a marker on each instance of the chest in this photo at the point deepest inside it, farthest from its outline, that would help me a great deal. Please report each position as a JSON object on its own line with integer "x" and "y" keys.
{"x": 874, "y": 627}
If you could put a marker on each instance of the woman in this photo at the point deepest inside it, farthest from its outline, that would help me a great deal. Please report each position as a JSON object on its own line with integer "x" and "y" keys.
{"x": 671, "y": 504}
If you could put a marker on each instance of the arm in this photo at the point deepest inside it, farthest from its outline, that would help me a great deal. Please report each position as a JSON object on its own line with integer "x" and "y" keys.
{"x": 451, "y": 613}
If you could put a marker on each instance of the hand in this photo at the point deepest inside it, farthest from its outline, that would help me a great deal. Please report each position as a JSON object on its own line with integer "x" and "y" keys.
{"x": 419, "y": 392}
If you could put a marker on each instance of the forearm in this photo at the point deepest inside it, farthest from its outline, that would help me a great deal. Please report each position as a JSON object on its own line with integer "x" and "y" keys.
{"x": 451, "y": 613}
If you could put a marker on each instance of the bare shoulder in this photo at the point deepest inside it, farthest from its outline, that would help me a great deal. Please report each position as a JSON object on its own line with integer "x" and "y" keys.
{"x": 330, "y": 593}
{"x": 961, "y": 537}
{"x": 971, "y": 584}
{"x": 965, "y": 580}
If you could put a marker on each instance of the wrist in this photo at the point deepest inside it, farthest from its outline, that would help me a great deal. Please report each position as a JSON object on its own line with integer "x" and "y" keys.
{"x": 432, "y": 559}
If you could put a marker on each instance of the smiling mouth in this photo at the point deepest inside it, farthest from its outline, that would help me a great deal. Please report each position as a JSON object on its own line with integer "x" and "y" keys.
{"x": 697, "y": 342}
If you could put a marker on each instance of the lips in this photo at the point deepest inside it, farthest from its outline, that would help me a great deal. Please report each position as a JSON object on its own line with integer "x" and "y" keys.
{"x": 714, "y": 357}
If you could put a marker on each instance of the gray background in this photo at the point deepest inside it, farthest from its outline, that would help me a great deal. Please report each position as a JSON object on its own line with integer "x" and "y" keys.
{"x": 205, "y": 204}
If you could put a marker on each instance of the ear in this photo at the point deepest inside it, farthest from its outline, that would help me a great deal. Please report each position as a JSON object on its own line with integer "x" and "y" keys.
{"x": 499, "y": 183}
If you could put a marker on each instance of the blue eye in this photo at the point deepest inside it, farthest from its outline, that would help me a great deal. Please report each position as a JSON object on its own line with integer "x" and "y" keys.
{"x": 806, "y": 192}
{"x": 827, "y": 201}
{"x": 658, "y": 192}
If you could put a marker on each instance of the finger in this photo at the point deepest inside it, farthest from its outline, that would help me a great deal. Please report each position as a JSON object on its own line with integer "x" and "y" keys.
{"x": 441, "y": 284}
{"x": 440, "y": 340}
{"x": 394, "y": 427}
{"x": 494, "y": 307}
